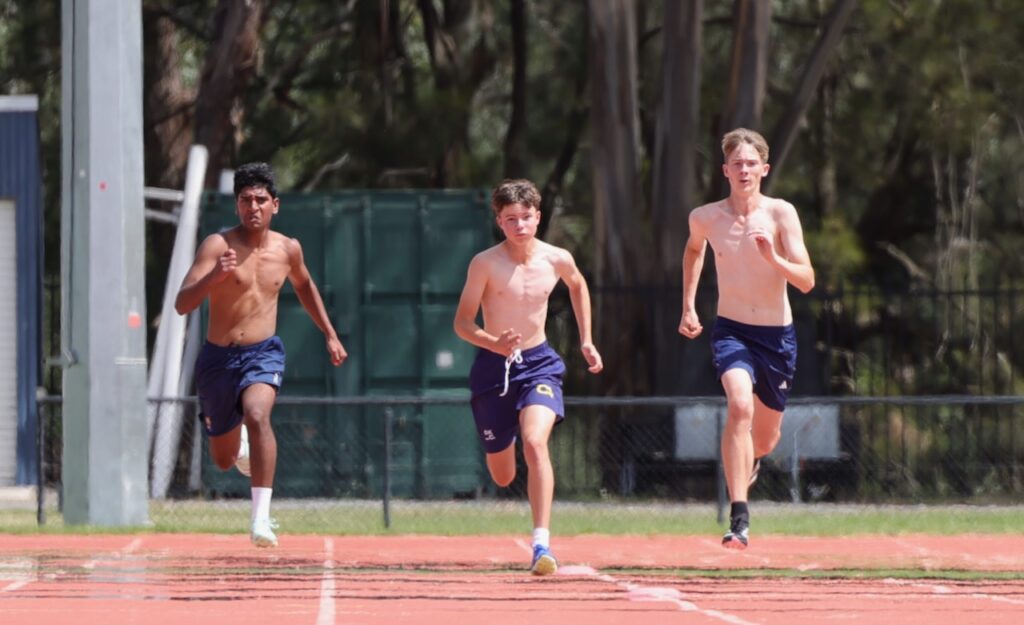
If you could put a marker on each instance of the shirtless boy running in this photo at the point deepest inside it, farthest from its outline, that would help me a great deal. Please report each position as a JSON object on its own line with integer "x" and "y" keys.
{"x": 240, "y": 367}
{"x": 759, "y": 247}
{"x": 516, "y": 379}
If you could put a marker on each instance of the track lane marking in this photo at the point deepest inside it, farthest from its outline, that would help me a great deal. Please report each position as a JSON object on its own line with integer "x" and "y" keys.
{"x": 325, "y": 613}
{"x": 641, "y": 593}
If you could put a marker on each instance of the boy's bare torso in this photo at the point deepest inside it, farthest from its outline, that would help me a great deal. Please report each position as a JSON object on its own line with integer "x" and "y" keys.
{"x": 516, "y": 295}
{"x": 243, "y": 308}
{"x": 750, "y": 290}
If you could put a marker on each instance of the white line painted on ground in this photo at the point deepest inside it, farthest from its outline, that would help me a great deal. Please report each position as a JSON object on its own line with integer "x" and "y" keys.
{"x": 14, "y": 586}
{"x": 325, "y": 616}
{"x": 17, "y": 572}
{"x": 639, "y": 592}
{"x": 946, "y": 591}
{"x": 123, "y": 551}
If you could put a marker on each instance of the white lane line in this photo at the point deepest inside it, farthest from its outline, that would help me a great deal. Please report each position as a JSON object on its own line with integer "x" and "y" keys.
{"x": 946, "y": 591}
{"x": 14, "y": 585}
{"x": 123, "y": 551}
{"x": 639, "y": 592}
{"x": 17, "y": 572}
{"x": 930, "y": 558}
{"x": 325, "y": 616}
{"x": 26, "y": 578}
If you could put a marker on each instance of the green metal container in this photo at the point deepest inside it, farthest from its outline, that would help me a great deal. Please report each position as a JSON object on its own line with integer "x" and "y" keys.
{"x": 390, "y": 266}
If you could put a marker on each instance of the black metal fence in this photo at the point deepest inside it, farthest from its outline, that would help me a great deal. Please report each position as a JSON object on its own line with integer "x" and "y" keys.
{"x": 620, "y": 450}
{"x": 901, "y": 396}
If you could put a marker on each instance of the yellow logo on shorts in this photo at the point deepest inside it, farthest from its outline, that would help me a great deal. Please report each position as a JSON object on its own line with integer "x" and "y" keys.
{"x": 544, "y": 389}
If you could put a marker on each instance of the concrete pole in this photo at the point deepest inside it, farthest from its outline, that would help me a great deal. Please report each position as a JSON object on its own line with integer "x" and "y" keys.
{"x": 103, "y": 333}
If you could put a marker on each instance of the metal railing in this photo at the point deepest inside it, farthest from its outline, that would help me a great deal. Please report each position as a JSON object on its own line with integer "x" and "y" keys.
{"x": 616, "y": 450}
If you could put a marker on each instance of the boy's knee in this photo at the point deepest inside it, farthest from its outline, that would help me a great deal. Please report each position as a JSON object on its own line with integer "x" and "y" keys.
{"x": 534, "y": 450}
{"x": 223, "y": 461}
{"x": 503, "y": 478}
{"x": 256, "y": 418}
{"x": 764, "y": 446}
{"x": 503, "y": 481}
{"x": 742, "y": 407}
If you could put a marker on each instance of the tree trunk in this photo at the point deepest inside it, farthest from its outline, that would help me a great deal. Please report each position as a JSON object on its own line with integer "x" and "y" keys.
{"x": 617, "y": 200}
{"x": 167, "y": 132}
{"x": 749, "y": 68}
{"x": 675, "y": 158}
{"x": 461, "y": 57}
{"x": 167, "y": 108}
{"x": 614, "y": 125}
{"x": 230, "y": 64}
{"x": 675, "y": 174}
{"x": 577, "y": 116}
{"x": 515, "y": 137}
{"x": 784, "y": 134}
{"x": 747, "y": 78}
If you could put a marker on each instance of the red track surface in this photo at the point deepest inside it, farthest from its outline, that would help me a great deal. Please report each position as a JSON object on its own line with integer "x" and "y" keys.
{"x": 206, "y": 580}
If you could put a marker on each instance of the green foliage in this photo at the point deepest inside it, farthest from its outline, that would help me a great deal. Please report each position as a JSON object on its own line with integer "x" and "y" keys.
{"x": 836, "y": 251}
{"x": 909, "y": 157}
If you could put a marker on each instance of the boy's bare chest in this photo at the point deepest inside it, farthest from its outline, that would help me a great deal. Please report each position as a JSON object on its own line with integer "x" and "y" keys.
{"x": 533, "y": 281}
{"x": 262, "y": 272}
{"x": 734, "y": 237}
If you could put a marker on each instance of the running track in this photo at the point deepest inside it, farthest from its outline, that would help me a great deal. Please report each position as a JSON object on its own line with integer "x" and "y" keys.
{"x": 315, "y": 580}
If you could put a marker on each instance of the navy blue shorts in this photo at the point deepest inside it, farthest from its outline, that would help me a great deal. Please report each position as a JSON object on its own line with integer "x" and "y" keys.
{"x": 767, "y": 353}
{"x": 222, "y": 373}
{"x": 535, "y": 381}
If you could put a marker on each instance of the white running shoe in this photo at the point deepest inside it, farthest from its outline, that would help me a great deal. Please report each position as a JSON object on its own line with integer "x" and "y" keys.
{"x": 242, "y": 461}
{"x": 263, "y": 533}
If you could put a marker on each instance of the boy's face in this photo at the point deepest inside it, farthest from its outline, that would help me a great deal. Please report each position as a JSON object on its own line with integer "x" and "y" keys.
{"x": 744, "y": 168}
{"x": 518, "y": 222}
{"x": 255, "y": 207}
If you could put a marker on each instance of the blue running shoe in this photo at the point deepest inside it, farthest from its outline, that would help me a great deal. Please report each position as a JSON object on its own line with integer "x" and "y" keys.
{"x": 736, "y": 537}
{"x": 544, "y": 563}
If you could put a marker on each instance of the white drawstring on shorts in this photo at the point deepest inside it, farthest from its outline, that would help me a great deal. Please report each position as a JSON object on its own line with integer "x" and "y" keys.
{"x": 515, "y": 357}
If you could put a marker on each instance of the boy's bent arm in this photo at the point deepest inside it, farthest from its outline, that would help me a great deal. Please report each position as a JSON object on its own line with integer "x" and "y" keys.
{"x": 310, "y": 298}
{"x": 693, "y": 261}
{"x": 579, "y": 295}
{"x": 201, "y": 276}
{"x": 465, "y": 325}
{"x": 796, "y": 262}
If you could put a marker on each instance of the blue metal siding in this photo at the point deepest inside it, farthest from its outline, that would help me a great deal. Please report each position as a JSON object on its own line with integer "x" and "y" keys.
{"x": 21, "y": 179}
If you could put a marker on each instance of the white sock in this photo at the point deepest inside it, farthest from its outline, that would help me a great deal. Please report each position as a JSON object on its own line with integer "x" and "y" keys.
{"x": 261, "y": 503}
{"x": 541, "y": 537}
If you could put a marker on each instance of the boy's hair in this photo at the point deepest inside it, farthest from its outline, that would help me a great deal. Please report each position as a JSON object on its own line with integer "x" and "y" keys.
{"x": 519, "y": 191}
{"x": 734, "y": 138}
{"x": 255, "y": 175}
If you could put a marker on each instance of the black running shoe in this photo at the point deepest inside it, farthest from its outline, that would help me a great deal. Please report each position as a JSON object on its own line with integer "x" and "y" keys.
{"x": 736, "y": 537}
{"x": 754, "y": 472}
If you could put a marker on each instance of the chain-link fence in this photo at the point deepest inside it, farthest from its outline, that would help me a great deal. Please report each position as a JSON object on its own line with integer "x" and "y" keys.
{"x": 876, "y": 415}
{"x": 368, "y": 462}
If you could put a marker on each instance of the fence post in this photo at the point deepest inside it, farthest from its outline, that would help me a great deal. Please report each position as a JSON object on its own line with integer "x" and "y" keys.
{"x": 794, "y": 468}
{"x": 723, "y": 495}
{"x": 387, "y": 466}
{"x": 40, "y": 465}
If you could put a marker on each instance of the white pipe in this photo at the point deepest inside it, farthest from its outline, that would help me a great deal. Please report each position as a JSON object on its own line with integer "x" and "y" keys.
{"x": 193, "y": 343}
{"x": 168, "y": 418}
